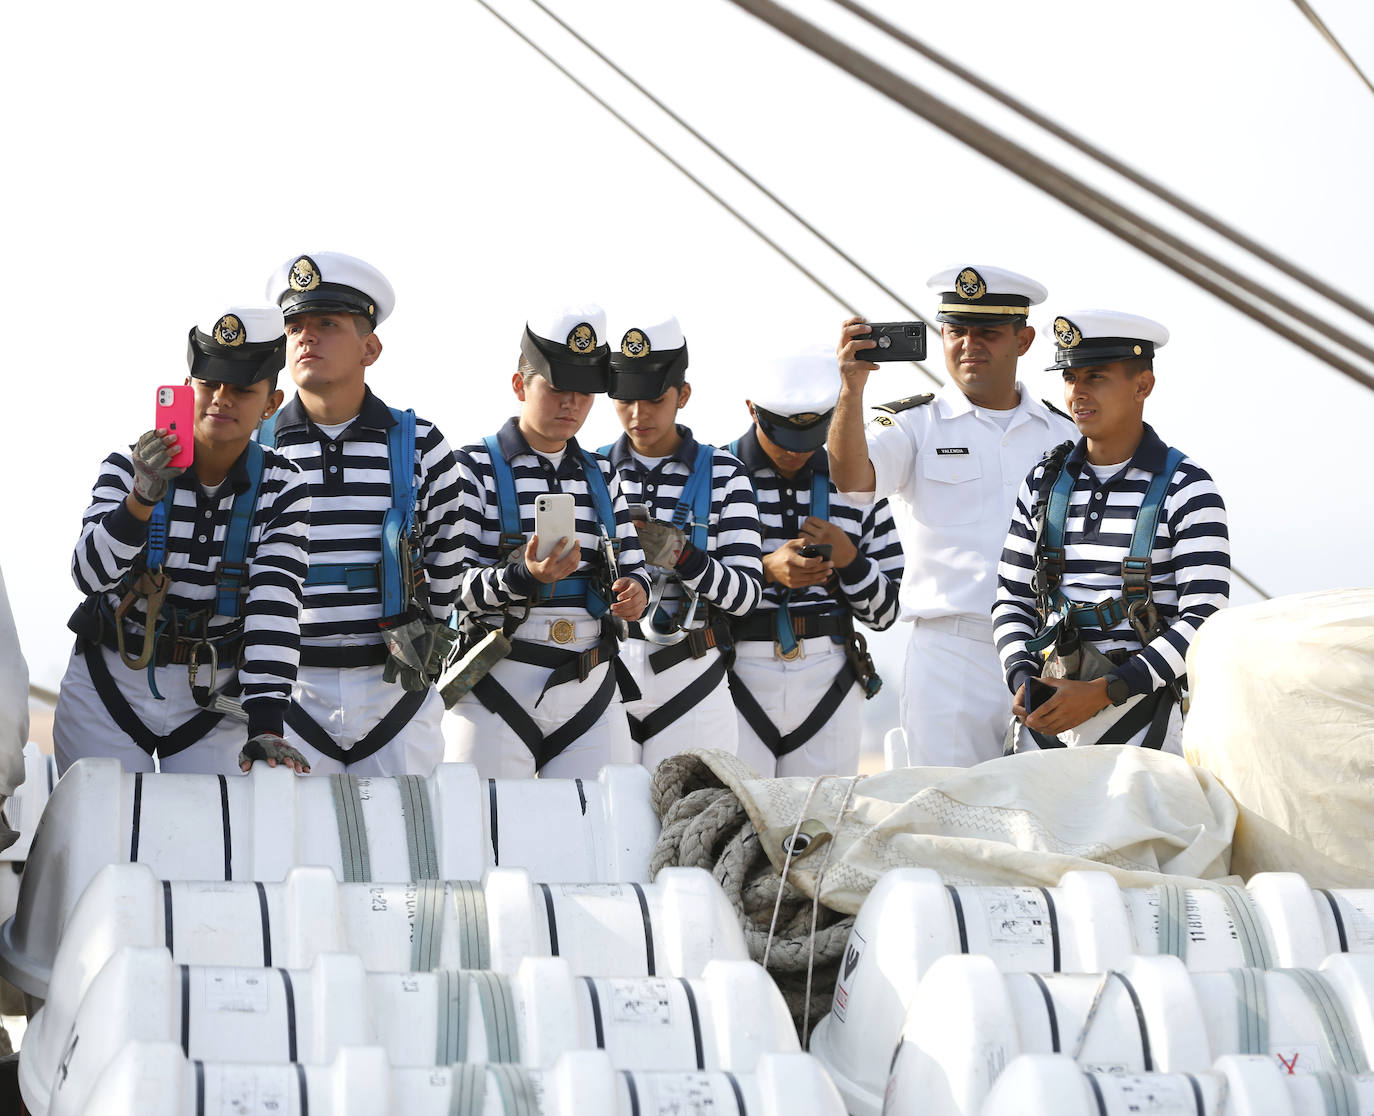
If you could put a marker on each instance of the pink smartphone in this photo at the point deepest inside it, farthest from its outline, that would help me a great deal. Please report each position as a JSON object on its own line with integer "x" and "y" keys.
{"x": 176, "y": 411}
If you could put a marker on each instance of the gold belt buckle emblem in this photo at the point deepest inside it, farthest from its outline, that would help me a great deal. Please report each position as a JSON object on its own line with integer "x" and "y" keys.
{"x": 788, "y": 656}
{"x": 562, "y": 631}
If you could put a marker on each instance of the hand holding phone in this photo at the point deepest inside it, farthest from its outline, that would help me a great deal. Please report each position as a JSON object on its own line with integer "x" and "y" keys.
{"x": 816, "y": 550}
{"x": 555, "y": 518}
{"x": 895, "y": 341}
{"x": 176, "y": 413}
{"x": 1037, "y": 693}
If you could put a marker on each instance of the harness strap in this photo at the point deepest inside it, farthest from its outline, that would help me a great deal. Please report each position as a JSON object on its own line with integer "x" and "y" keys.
{"x": 474, "y": 936}
{"x": 382, "y": 733}
{"x": 763, "y": 727}
{"x": 695, "y": 501}
{"x": 468, "y": 1089}
{"x": 348, "y": 816}
{"x": 427, "y": 927}
{"x": 451, "y": 1030}
{"x": 355, "y": 577}
{"x": 1252, "y": 1011}
{"x": 419, "y": 822}
{"x": 782, "y": 618}
{"x": 697, "y": 642}
{"x": 498, "y": 700}
{"x": 498, "y": 1014}
{"x": 806, "y": 625}
{"x": 686, "y": 699}
{"x": 1153, "y": 711}
{"x": 123, "y": 715}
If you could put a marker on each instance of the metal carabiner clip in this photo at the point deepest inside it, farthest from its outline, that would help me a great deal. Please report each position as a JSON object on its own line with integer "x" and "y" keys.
{"x": 678, "y": 632}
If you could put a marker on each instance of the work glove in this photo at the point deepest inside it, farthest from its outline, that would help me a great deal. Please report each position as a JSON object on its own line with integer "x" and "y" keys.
{"x": 152, "y": 474}
{"x": 662, "y": 543}
{"x": 416, "y": 652}
{"x": 271, "y": 747}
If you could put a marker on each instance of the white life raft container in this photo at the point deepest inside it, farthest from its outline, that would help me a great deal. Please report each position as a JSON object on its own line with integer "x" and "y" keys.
{"x": 1237, "y": 1085}
{"x": 671, "y": 927}
{"x": 22, "y": 810}
{"x": 1088, "y": 924}
{"x": 156, "y": 1079}
{"x": 451, "y": 825}
{"x": 967, "y": 1021}
{"x": 722, "y": 1020}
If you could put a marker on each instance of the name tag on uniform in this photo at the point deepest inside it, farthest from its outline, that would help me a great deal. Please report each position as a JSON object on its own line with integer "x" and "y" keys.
{"x": 945, "y": 451}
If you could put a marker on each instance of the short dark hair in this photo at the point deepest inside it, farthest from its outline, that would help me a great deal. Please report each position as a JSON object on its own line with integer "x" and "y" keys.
{"x": 1137, "y": 365}
{"x": 363, "y": 324}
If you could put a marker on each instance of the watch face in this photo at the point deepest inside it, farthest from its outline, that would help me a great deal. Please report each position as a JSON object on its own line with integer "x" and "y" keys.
{"x": 1118, "y": 691}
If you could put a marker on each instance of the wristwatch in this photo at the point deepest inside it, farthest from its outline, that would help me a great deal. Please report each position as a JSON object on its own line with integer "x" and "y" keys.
{"x": 1118, "y": 690}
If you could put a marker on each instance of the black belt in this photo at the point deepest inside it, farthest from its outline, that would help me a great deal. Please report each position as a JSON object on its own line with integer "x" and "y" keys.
{"x": 176, "y": 650}
{"x": 694, "y": 645}
{"x": 381, "y": 734}
{"x": 765, "y": 730}
{"x": 366, "y": 654}
{"x": 119, "y": 709}
{"x": 806, "y": 625}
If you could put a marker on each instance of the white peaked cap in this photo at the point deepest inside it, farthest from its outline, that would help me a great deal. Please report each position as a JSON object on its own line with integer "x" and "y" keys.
{"x": 331, "y": 281}
{"x": 557, "y": 324}
{"x": 806, "y": 382}
{"x": 256, "y": 323}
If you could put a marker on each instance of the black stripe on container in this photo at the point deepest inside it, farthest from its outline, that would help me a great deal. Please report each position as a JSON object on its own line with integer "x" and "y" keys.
{"x": 552, "y": 920}
{"x": 1198, "y": 1106}
{"x": 1139, "y": 1022}
{"x": 1054, "y": 926}
{"x": 634, "y": 1092}
{"x": 959, "y": 917}
{"x": 590, "y": 982}
{"x": 266, "y": 925}
{"x": 1097, "y": 1095}
{"x": 1340, "y": 922}
{"x": 581, "y": 797}
{"x": 696, "y": 1020}
{"x": 290, "y": 1017}
{"x": 495, "y": 842}
{"x": 185, "y": 1010}
{"x": 167, "y": 916}
{"x": 739, "y": 1093}
{"x": 1049, "y": 1010}
{"x": 138, "y": 817}
{"x": 200, "y": 1088}
{"x": 648, "y": 929}
{"x": 304, "y": 1089}
{"x": 224, "y": 821}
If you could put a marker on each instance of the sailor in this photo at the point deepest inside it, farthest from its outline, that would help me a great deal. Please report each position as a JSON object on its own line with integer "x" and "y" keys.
{"x": 384, "y": 531}
{"x": 1116, "y": 554}
{"x": 801, "y": 671}
{"x": 188, "y": 640}
{"x": 538, "y": 689}
{"x": 954, "y": 460}
{"x": 698, "y": 524}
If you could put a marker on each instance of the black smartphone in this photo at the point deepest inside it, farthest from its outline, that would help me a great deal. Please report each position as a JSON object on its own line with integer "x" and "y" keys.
{"x": 816, "y": 550}
{"x": 1037, "y": 693}
{"x": 896, "y": 341}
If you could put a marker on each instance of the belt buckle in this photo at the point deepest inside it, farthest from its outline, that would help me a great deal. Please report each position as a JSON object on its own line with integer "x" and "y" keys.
{"x": 798, "y": 652}
{"x": 562, "y": 630}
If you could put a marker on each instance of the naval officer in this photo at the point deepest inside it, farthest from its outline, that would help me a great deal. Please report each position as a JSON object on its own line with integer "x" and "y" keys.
{"x": 952, "y": 461}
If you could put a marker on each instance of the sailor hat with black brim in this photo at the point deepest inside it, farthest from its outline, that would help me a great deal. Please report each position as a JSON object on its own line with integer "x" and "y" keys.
{"x": 1088, "y": 337}
{"x": 324, "y": 282}
{"x": 794, "y": 398}
{"x": 984, "y": 295}
{"x": 565, "y": 346}
{"x": 651, "y": 358}
{"x": 243, "y": 345}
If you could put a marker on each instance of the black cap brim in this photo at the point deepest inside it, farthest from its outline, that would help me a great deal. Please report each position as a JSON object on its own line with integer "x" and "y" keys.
{"x": 782, "y": 431}
{"x": 242, "y": 365}
{"x": 329, "y": 298}
{"x": 566, "y": 370}
{"x": 1102, "y": 350}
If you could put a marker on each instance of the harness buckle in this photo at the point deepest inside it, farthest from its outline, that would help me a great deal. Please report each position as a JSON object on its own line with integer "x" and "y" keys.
{"x": 236, "y": 572}
{"x": 798, "y": 652}
{"x": 562, "y": 630}
{"x": 587, "y": 662}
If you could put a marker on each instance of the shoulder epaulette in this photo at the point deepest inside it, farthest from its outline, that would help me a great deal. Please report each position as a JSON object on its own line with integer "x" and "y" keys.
{"x": 1056, "y": 410}
{"x": 904, "y": 404}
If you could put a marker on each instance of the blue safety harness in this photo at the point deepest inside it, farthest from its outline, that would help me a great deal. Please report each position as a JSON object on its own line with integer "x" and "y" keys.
{"x": 396, "y": 526}
{"x": 1135, "y": 567}
{"x": 582, "y": 590}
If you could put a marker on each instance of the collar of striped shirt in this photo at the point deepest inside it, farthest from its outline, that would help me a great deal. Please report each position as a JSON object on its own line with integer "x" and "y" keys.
{"x": 513, "y": 443}
{"x": 374, "y": 414}
{"x": 755, "y": 459}
{"x": 1150, "y": 455}
{"x": 622, "y": 454}
{"x": 237, "y": 476}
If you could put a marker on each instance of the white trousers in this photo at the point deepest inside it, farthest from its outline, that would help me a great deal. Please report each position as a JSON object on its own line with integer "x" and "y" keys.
{"x": 473, "y": 734}
{"x": 788, "y": 692}
{"x": 347, "y": 703}
{"x": 710, "y": 723}
{"x": 1096, "y": 726}
{"x": 955, "y": 703}
{"x": 83, "y": 727}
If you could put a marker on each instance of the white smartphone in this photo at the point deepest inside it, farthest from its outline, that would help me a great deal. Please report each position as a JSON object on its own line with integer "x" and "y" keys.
{"x": 555, "y": 517}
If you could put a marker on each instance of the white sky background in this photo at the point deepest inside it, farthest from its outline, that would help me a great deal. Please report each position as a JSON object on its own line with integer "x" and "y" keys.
{"x": 162, "y": 159}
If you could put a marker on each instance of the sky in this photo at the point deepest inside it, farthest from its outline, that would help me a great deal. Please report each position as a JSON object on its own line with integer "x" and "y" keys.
{"x": 164, "y": 158}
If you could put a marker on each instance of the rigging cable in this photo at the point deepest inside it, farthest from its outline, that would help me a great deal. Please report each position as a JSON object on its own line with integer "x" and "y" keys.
{"x": 1199, "y": 268}
{"x": 1163, "y": 193}
{"x": 1317, "y": 22}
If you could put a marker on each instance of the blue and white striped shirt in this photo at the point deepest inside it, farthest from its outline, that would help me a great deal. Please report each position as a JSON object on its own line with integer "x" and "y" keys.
{"x": 1190, "y": 564}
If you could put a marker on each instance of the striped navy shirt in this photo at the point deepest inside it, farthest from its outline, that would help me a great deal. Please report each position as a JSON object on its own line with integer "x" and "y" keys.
{"x": 350, "y": 488}
{"x": 868, "y": 585}
{"x": 1190, "y": 564}
{"x": 487, "y": 585}
{"x": 112, "y": 540}
{"x": 729, "y": 572}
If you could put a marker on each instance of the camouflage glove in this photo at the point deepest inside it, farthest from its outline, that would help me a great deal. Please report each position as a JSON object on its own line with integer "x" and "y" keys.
{"x": 662, "y": 543}
{"x": 417, "y": 651}
{"x": 152, "y": 474}
{"x": 276, "y": 751}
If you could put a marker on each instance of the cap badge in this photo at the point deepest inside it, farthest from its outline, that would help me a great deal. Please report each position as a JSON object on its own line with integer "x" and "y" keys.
{"x": 634, "y": 344}
{"x": 971, "y": 284}
{"x": 1066, "y": 333}
{"x": 304, "y": 275}
{"x": 582, "y": 338}
{"x": 228, "y": 331}
{"x": 806, "y": 418}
